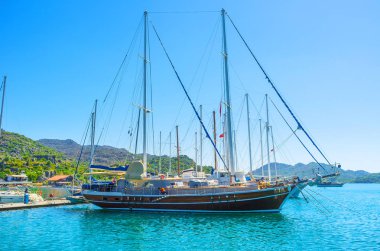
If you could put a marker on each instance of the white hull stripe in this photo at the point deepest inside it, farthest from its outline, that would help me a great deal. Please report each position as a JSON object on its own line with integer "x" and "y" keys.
{"x": 196, "y": 211}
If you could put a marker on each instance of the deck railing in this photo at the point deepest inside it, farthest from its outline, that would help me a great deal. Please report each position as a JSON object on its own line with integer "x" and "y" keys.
{"x": 172, "y": 191}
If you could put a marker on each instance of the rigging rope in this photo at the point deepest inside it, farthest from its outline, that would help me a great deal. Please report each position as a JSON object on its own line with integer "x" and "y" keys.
{"x": 319, "y": 203}
{"x": 295, "y": 134}
{"x": 339, "y": 204}
{"x": 188, "y": 97}
{"x": 277, "y": 92}
{"x": 84, "y": 137}
{"x": 122, "y": 63}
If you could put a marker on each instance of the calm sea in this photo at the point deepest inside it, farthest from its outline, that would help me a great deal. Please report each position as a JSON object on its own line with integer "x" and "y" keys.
{"x": 345, "y": 218}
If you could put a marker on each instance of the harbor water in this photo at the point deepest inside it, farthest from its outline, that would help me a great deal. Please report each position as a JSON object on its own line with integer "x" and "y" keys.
{"x": 346, "y": 218}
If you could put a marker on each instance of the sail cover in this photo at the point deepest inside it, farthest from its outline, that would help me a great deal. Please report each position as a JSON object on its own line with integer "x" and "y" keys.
{"x": 119, "y": 168}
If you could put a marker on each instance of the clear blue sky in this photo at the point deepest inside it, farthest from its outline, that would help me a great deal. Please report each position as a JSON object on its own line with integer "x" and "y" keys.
{"x": 323, "y": 55}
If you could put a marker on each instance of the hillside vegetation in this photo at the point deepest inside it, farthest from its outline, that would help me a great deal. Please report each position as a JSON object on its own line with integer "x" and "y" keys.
{"x": 19, "y": 153}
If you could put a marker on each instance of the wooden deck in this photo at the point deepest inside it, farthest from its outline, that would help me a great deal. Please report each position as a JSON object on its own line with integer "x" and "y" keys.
{"x": 47, "y": 203}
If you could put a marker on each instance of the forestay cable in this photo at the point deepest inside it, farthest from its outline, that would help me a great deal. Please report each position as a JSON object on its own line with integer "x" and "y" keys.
{"x": 277, "y": 92}
{"x": 295, "y": 134}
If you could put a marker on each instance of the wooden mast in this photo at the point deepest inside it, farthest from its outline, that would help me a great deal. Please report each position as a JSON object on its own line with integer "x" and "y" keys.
{"x": 93, "y": 127}
{"x": 200, "y": 139}
{"x": 159, "y": 164}
{"x": 261, "y": 149}
{"x": 170, "y": 152}
{"x": 267, "y": 136}
{"x": 230, "y": 143}
{"x": 215, "y": 157}
{"x": 274, "y": 153}
{"x": 196, "y": 153}
{"x": 145, "y": 162}
{"x": 249, "y": 136}
{"x": 177, "y": 151}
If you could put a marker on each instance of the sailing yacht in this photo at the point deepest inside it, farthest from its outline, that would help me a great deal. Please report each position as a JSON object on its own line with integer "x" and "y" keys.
{"x": 138, "y": 192}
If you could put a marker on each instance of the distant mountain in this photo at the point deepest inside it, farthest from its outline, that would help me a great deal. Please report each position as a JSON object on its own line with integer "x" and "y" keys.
{"x": 369, "y": 178}
{"x": 309, "y": 171}
{"x": 112, "y": 156}
{"x": 106, "y": 155}
{"x": 69, "y": 147}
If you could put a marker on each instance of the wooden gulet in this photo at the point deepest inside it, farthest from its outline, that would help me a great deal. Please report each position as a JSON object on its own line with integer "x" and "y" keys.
{"x": 164, "y": 195}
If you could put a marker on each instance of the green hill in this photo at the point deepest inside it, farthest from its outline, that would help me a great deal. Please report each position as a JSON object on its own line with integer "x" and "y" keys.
{"x": 19, "y": 153}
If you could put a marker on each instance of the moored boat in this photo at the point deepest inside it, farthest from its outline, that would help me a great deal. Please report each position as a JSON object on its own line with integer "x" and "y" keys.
{"x": 11, "y": 197}
{"x": 192, "y": 192}
{"x": 208, "y": 199}
{"x": 330, "y": 184}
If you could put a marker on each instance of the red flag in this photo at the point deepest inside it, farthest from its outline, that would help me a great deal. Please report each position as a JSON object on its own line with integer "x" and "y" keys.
{"x": 221, "y": 135}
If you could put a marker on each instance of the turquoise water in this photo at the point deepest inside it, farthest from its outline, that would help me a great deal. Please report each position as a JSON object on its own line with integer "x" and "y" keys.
{"x": 350, "y": 222}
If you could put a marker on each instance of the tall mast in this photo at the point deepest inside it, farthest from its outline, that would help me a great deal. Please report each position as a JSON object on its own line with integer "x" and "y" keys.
{"x": 93, "y": 127}
{"x": 215, "y": 157}
{"x": 274, "y": 153}
{"x": 235, "y": 150}
{"x": 2, "y": 103}
{"x": 145, "y": 92}
{"x": 200, "y": 139}
{"x": 196, "y": 153}
{"x": 177, "y": 151}
{"x": 170, "y": 152}
{"x": 230, "y": 152}
{"x": 249, "y": 136}
{"x": 225, "y": 145}
{"x": 261, "y": 148}
{"x": 267, "y": 134}
{"x": 159, "y": 163}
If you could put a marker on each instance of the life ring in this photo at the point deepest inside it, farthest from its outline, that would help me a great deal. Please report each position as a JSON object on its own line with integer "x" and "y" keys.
{"x": 163, "y": 190}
